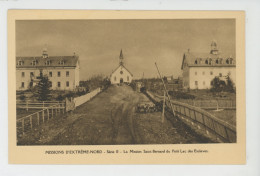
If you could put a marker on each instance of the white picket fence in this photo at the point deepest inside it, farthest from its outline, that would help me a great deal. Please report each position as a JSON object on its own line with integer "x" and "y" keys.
{"x": 83, "y": 99}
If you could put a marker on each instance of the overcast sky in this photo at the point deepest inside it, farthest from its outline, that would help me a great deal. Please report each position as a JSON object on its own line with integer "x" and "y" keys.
{"x": 98, "y": 42}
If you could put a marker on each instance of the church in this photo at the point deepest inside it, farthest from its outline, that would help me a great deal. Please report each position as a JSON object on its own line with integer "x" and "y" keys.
{"x": 121, "y": 74}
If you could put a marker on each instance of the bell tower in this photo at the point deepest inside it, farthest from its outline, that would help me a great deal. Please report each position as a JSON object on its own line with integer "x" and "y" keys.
{"x": 44, "y": 53}
{"x": 214, "y": 48}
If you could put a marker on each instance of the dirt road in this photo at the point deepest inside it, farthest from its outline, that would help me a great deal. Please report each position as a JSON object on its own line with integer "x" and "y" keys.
{"x": 110, "y": 119}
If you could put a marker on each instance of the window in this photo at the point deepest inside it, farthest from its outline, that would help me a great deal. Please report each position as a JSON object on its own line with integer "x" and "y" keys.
{"x": 58, "y": 73}
{"x": 58, "y": 84}
{"x": 196, "y": 83}
{"x": 50, "y": 74}
{"x": 217, "y": 61}
{"x": 195, "y": 73}
{"x": 203, "y": 73}
{"x": 196, "y": 62}
{"x": 48, "y": 62}
{"x": 206, "y": 62}
{"x": 231, "y": 61}
{"x": 67, "y": 83}
{"x": 50, "y": 84}
{"x": 115, "y": 78}
{"x": 211, "y": 73}
{"x": 34, "y": 62}
{"x": 31, "y": 74}
{"x": 227, "y": 61}
{"x": 20, "y": 62}
{"x": 220, "y": 74}
{"x": 67, "y": 73}
{"x": 23, "y": 74}
{"x": 61, "y": 62}
{"x": 22, "y": 85}
{"x": 210, "y": 61}
{"x": 127, "y": 78}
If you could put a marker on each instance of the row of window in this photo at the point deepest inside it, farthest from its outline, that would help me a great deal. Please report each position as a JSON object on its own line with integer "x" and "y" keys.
{"x": 217, "y": 61}
{"x": 35, "y": 62}
{"x": 58, "y": 84}
{"x": 211, "y": 73}
{"x": 50, "y": 74}
{"x": 197, "y": 83}
{"x": 203, "y": 73}
{"x": 126, "y": 78}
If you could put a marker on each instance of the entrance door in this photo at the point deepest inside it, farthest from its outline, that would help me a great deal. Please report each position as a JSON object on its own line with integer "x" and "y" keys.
{"x": 121, "y": 80}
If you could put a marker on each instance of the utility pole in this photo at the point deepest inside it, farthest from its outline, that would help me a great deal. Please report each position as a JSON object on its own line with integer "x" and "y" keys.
{"x": 169, "y": 99}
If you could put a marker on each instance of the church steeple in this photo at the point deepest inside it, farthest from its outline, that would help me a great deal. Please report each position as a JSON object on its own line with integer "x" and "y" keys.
{"x": 121, "y": 58}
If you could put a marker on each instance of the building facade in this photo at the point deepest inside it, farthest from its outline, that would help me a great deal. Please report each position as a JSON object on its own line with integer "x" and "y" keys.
{"x": 62, "y": 71}
{"x": 199, "y": 69}
{"x": 121, "y": 74}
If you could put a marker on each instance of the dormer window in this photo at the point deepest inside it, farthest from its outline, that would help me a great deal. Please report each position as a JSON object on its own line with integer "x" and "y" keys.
{"x": 20, "y": 62}
{"x": 221, "y": 61}
{"x": 48, "y": 62}
{"x": 210, "y": 61}
{"x": 231, "y": 61}
{"x": 34, "y": 62}
{"x": 227, "y": 61}
{"x": 61, "y": 62}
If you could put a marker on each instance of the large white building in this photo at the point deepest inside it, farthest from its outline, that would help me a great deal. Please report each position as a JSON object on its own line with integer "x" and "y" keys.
{"x": 62, "y": 71}
{"x": 121, "y": 74}
{"x": 199, "y": 69}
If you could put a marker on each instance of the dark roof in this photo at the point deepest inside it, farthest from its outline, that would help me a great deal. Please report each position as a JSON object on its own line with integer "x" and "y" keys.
{"x": 124, "y": 67}
{"x": 69, "y": 61}
{"x": 190, "y": 57}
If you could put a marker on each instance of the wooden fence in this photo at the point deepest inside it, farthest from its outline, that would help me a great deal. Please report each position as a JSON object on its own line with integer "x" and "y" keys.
{"x": 222, "y": 131}
{"x": 35, "y": 119}
{"x": 37, "y": 104}
{"x": 211, "y": 104}
{"x": 84, "y": 98}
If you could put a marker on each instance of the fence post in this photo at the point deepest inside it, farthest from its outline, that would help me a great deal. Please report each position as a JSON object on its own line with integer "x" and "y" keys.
{"x": 27, "y": 105}
{"x": 56, "y": 110}
{"x": 23, "y": 126}
{"x": 38, "y": 118}
{"x": 43, "y": 115}
{"x": 63, "y": 105}
{"x": 48, "y": 114}
{"x": 31, "y": 121}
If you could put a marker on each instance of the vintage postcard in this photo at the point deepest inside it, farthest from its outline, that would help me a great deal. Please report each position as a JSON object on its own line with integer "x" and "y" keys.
{"x": 126, "y": 87}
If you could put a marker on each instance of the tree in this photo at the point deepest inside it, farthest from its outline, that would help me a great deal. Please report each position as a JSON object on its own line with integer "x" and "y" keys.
{"x": 43, "y": 88}
{"x": 230, "y": 85}
{"x": 217, "y": 85}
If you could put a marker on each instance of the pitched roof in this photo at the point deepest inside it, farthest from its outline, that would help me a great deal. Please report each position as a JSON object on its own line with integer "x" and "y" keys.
{"x": 55, "y": 61}
{"x": 123, "y": 67}
{"x": 190, "y": 59}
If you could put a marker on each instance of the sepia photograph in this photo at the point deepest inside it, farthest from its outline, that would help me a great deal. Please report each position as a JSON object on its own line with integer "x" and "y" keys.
{"x": 125, "y": 81}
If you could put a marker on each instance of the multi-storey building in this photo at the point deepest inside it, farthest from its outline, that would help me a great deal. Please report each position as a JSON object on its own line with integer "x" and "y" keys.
{"x": 62, "y": 71}
{"x": 199, "y": 69}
